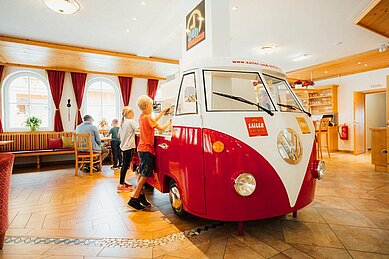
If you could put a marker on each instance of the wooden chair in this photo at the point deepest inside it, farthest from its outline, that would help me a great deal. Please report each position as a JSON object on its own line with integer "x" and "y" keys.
{"x": 84, "y": 153}
{"x": 322, "y": 128}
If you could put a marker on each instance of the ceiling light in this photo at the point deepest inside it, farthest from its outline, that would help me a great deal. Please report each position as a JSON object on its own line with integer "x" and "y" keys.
{"x": 300, "y": 57}
{"x": 383, "y": 47}
{"x": 325, "y": 72}
{"x": 365, "y": 65}
{"x": 134, "y": 18}
{"x": 128, "y": 30}
{"x": 234, "y": 8}
{"x": 267, "y": 49}
{"x": 143, "y": 3}
{"x": 359, "y": 63}
{"x": 63, "y": 6}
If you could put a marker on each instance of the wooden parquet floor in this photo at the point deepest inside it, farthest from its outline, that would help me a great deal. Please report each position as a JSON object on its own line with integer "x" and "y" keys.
{"x": 54, "y": 214}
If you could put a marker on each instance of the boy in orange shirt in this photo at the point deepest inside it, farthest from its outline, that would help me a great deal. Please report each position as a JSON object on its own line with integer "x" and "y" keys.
{"x": 146, "y": 149}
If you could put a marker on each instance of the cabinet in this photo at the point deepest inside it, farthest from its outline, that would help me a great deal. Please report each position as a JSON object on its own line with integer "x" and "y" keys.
{"x": 378, "y": 148}
{"x": 321, "y": 100}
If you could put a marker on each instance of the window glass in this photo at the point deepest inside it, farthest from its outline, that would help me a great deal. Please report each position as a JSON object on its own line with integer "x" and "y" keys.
{"x": 282, "y": 95}
{"x": 26, "y": 94}
{"x": 187, "y": 100}
{"x": 102, "y": 100}
{"x": 223, "y": 88}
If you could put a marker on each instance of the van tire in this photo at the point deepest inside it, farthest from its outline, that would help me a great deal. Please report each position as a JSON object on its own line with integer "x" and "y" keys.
{"x": 175, "y": 199}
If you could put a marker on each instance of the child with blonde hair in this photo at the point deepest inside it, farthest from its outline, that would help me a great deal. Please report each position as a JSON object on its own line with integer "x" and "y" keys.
{"x": 127, "y": 134}
{"x": 145, "y": 148}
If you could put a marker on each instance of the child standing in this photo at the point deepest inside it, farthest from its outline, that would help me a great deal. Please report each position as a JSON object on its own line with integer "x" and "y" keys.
{"x": 146, "y": 149}
{"x": 115, "y": 143}
{"x": 127, "y": 135}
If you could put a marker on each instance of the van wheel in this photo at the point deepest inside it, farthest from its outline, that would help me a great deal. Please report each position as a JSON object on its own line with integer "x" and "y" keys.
{"x": 175, "y": 200}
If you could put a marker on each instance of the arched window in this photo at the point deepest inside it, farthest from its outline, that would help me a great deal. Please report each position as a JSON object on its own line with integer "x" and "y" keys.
{"x": 101, "y": 100}
{"x": 26, "y": 94}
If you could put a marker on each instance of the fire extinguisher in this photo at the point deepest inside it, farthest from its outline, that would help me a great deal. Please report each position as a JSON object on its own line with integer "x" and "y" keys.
{"x": 343, "y": 131}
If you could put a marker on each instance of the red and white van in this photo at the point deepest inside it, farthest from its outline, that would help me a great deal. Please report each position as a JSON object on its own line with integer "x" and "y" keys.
{"x": 241, "y": 146}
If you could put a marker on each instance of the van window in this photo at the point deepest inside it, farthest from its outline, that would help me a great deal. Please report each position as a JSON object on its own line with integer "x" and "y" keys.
{"x": 282, "y": 94}
{"x": 224, "y": 88}
{"x": 187, "y": 100}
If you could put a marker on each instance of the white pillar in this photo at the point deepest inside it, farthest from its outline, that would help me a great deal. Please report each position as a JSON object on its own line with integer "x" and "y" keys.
{"x": 217, "y": 42}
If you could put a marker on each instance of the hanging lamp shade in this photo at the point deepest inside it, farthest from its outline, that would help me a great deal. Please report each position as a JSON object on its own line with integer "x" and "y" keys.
{"x": 63, "y": 6}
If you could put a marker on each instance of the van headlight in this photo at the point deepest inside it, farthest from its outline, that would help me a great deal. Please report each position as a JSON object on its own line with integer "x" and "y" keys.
{"x": 245, "y": 184}
{"x": 320, "y": 169}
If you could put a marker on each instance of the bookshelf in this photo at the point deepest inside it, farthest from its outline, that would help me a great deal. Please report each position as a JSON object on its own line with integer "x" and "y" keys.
{"x": 320, "y": 100}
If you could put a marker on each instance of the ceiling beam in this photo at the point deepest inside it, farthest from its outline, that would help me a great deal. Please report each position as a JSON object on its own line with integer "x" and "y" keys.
{"x": 81, "y": 71}
{"x": 362, "y": 62}
{"x": 86, "y": 50}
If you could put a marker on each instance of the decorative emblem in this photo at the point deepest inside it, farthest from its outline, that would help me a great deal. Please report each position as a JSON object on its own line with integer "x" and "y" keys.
{"x": 289, "y": 146}
{"x": 195, "y": 26}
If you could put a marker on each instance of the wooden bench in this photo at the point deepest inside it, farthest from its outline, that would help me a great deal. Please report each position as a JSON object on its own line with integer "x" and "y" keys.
{"x": 28, "y": 144}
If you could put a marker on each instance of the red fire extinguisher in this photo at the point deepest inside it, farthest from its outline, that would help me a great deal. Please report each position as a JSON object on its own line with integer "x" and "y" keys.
{"x": 343, "y": 131}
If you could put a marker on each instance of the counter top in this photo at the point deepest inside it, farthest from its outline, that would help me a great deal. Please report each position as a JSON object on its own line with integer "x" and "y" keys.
{"x": 378, "y": 128}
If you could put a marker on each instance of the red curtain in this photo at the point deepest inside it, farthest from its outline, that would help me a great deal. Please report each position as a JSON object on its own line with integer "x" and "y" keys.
{"x": 56, "y": 79}
{"x": 78, "y": 80}
{"x": 125, "y": 87}
{"x": 1, "y": 73}
{"x": 152, "y": 86}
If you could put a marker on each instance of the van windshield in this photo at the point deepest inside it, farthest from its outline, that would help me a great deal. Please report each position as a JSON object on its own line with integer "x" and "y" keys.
{"x": 242, "y": 85}
{"x": 282, "y": 95}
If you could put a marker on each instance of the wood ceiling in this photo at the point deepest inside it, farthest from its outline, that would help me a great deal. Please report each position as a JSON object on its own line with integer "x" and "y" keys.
{"x": 374, "y": 18}
{"x": 359, "y": 63}
{"x": 35, "y": 54}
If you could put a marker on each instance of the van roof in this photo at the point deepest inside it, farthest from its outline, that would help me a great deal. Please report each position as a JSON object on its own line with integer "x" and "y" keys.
{"x": 235, "y": 63}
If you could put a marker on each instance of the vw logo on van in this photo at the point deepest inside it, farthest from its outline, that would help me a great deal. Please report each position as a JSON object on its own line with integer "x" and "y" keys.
{"x": 289, "y": 146}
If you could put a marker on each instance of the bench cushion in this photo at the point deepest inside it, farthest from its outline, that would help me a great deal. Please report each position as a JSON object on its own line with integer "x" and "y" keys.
{"x": 54, "y": 143}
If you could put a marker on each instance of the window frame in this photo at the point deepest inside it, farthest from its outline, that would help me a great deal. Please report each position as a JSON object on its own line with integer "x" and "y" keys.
{"x": 292, "y": 93}
{"x": 179, "y": 94}
{"x": 6, "y": 106}
{"x": 235, "y": 71}
{"x": 115, "y": 89}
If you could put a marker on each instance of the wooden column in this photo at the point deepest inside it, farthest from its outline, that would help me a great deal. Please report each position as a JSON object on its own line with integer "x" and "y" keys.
{"x": 387, "y": 121}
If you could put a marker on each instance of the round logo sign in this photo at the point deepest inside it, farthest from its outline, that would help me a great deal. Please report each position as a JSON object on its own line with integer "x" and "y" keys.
{"x": 289, "y": 146}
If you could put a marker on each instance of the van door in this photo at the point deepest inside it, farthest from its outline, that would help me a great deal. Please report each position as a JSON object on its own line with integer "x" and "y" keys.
{"x": 188, "y": 145}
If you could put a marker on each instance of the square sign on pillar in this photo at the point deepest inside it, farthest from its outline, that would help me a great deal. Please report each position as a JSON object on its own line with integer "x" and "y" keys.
{"x": 195, "y": 26}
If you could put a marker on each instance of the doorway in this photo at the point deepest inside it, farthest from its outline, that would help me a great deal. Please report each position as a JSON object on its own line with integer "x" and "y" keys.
{"x": 369, "y": 112}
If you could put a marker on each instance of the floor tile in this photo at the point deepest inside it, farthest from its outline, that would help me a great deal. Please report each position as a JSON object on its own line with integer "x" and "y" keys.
{"x": 126, "y": 252}
{"x": 214, "y": 248}
{"x": 306, "y": 233}
{"x": 364, "y": 255}
{"x": 363, "y": 239}
{"x": 74, "y": 250}
{"x": 237, "y": 249}
{"x": 345, "y": 217}
{"x": 257, "y": 245}
{"x": 295, "y": 253}
{"x": 324, "y": 252}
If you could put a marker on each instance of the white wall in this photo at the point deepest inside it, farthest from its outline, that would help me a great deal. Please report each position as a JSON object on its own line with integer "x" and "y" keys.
{"x": 347, "y": 86}
{"x": 375, "y": 115}
{"x": 139, "y": 87}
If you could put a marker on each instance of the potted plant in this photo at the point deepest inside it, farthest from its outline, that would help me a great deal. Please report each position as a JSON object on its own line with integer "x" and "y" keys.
{"x": 33, "y": 122}
{"x": 103, "y": 123}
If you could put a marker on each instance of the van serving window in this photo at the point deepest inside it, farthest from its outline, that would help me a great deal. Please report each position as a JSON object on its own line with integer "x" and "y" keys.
{"x": 243, "y": 85}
